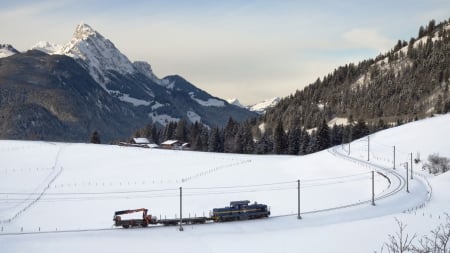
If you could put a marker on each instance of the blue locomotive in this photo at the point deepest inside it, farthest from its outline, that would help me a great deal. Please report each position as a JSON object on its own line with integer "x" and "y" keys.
{"x": 240, "y": 210}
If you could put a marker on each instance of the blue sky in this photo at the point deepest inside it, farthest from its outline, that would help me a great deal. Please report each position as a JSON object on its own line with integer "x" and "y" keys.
{"x": 251, "y": 50}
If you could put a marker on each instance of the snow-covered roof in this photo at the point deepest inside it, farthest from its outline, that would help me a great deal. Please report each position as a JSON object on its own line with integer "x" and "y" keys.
{"x": 141, "y": 140}
{"x": 153, "y": 145}
{"x": 170, "y": 142}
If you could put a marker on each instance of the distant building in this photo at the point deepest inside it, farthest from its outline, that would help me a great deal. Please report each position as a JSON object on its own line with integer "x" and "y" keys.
{"x": 139, "y": 142}
{"x": 175, "y": 144}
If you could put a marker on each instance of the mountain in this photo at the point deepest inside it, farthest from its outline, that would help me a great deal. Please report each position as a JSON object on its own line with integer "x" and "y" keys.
{"x": 7, "y": 50}
{"x": 259, "y": 108}
{"x": 103, "y": 89}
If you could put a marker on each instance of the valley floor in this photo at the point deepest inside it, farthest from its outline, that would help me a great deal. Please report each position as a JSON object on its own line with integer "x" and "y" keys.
{"x": 62, "y": 196}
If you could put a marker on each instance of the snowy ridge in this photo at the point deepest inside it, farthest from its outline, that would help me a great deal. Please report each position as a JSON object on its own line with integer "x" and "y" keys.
{"x": 235, "y": 101}
{"x": 259, "y": 108}
{"x": 210, "y": 102}
{"x": 7, "y": 50}
{"x": 264, "y": 105}
{"x": 47, "y": 47}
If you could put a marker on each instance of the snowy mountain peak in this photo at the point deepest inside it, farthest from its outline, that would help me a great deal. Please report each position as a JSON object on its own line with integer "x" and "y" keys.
{"x": 99, "y": 54}
{"x": 83, "y": 31}
{"x": 47, "y": 47}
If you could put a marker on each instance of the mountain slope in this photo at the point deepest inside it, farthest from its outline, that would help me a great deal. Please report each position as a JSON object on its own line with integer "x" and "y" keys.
{"x": 410, "y": 81}
{"x": 53, "y": 97}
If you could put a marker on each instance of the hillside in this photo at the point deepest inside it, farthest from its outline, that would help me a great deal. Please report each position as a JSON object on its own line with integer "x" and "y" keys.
{"x": 63, "y": 196}
{"x": 411, "y": 81}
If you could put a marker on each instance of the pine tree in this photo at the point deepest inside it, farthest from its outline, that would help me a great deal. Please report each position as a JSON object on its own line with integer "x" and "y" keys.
{"x": 322, "y": 137}
{"x": 214, "y": 143}
{"x": 279, "y": 139}
{"x": 294, "y": 141}
{"x": 95, "y": 138}
{"x": 360, "y": 130}
{"x": 304, "y": 144}
{"x": 181, "y": 131}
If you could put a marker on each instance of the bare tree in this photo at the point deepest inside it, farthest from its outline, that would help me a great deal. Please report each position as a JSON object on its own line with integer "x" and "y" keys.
{"x": 438, "y": 241}
{"x": 400, "y": 242}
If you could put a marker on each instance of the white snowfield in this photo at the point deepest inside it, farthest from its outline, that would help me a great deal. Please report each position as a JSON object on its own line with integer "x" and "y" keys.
{"x": 61, "y": 197}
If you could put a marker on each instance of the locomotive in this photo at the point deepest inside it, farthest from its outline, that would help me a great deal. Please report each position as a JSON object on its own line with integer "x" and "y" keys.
{"x": 240, "y": 210}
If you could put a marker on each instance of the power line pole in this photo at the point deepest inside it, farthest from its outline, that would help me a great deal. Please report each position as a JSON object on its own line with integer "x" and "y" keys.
{"x": 368, "y": 147}
{"x": 373, "y": 188}
{"x": 411, "y": 167}
{"x": 298, "y": 195}
{"x": 181, "y": 209}
{"x": 407, "y": 184}
{"x": 394, "y": 157}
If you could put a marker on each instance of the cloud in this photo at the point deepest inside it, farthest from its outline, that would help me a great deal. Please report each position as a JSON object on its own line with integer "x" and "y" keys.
{"x": 367, "y": 38}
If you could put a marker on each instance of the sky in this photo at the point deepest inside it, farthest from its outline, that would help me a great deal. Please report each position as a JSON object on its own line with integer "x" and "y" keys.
{"x": 250, "y": 50}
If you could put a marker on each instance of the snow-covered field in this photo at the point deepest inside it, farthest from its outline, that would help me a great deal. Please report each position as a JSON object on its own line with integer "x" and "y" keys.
{"x": 61, "y": 196}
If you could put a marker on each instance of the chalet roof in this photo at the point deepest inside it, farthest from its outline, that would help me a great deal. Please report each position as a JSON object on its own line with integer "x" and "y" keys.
{"x": 141, "y": 140}
{"x": 170, "y": 142}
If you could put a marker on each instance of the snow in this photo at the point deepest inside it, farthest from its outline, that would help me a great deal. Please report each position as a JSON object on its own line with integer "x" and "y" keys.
{"x": 134, "y": 101}
{"x": 162, "y": 119}
{"x": 5, "y": 53}
{"x": 157, "y": 105}
{"x": 264, "y": 105}
{"x": 81, "y": 185}
{"x": 338, "y": 121}
{"x": 235, "y": 101}
{"x": 193, "y": 117}
{"x": 47, "y": 47}
{"x": 141, "y": 140}
{"x": 210, "y": 102}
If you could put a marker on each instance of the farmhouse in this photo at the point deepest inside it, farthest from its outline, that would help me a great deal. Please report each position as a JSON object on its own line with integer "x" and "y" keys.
{"x": 139, "y": 142}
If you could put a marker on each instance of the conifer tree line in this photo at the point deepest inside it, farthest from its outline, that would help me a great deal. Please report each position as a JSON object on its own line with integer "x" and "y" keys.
{"x": 246, "y": 138}
{"x": 409, "y": 82}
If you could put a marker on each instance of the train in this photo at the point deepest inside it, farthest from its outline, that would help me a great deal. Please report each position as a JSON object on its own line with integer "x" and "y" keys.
{"x": 237, "y": 210}
{"x": 240, "y": 210}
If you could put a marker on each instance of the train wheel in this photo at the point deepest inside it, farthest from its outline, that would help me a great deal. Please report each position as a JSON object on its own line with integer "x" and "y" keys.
{"x": 125, "y": 226}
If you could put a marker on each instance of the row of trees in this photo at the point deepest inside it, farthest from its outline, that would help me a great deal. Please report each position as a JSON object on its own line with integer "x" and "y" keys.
{"x": 246, "y": 138}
